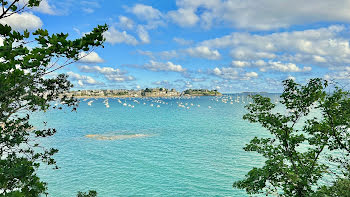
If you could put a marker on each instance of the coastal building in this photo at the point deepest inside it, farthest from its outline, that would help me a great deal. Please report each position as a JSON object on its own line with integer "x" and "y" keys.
{"x": 148, "y": 92}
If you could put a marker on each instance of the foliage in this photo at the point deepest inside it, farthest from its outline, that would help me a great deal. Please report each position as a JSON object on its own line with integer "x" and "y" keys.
{"x": 341, "y": 188}
{"x": 300, "y": 140}
{"x": 148, "y": 90}
{"x": 203, "y": 92}
{"x": 27, "y": 85}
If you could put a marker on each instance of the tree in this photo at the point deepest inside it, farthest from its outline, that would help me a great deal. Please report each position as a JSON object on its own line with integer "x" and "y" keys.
{"x": 25, "y": 87}
{"x": 315, "y": 126}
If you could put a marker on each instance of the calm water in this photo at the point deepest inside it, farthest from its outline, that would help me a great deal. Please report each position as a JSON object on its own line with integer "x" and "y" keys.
{"x": 189, "y": 152}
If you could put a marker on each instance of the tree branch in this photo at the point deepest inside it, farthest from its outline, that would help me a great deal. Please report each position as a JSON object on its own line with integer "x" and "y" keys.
{"x": 4, "y": 12}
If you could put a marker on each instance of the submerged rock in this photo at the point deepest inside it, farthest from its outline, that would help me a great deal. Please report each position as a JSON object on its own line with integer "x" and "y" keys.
{"x": 115, "y": 137}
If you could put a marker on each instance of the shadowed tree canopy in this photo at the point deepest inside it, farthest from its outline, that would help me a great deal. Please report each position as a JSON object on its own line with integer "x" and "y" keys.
{"x": 309, "y": 141}
{"x": 29, "y": 83}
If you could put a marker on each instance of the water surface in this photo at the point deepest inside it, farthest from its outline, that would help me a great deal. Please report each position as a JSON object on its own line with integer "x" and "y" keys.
{"x": 192, "y": 150}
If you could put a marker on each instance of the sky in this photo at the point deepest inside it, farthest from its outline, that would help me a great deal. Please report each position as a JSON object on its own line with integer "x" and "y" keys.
{"x": 228, "y": 45}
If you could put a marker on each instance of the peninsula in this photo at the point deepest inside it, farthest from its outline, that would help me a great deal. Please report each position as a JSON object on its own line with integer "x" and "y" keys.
{"x": 201, "y": 92}
{"x": 148, "y": 92}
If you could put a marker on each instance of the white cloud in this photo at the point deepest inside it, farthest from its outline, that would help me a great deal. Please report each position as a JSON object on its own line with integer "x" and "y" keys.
{"x": 145, "y": 12}
{"x": 251, "y": 74}
{"x": 45, "y": 8}
{"x": 184, "y": 17}
{"x": 266, "y": 14}
{"x": 182, "y": 41}
{"x": 232, "y": 74}
{"x": 112, "y": 74}
{"x": 260, "y": 63}
{"x": 143, "y": 34}
{"x": 248, "y": 54}
{"x": 240, "y": 63}
{"x": 114, "y": 36}
{"x": 160, "y": 66}
{"x": 318, "y": 58}
{"x": 82, "y": 79}
{"x": 284, "y": 67}
{"x": 92, "y": 57}
{"x": 203, "y": 52}
{"x": 125, "y": 22}
{"x": 23, "y": 21}
{"x": 320, "y": 47}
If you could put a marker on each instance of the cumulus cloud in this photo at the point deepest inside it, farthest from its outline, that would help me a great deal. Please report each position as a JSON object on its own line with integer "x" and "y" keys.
{"x": 251, "y": 74}
{"x": 260, "y": 15}
{"x": 320, "y": 59}
{"x": 82, "y": 79}
{"x": 44, "y": 7}
{"x": 230, "y": 73}
{"x": 248, "y": 14}
{"x": 16, "y": 21}
{"x": 284, "y": 67}
{"x": 160, "y": 66}
{"x": 145, "y": 12}
{"x": 240, "y": 63}
{"x": 203, "y": 52}
{"x": 112, "y": 74}
{"x": 320, "y": 47}
{"x": 184, "y": 17}
{"x": 92, "y": 57}
{"x": 271, "y": 66}
{"x": 248, "y": 54}
{"x": 114, "y": 36}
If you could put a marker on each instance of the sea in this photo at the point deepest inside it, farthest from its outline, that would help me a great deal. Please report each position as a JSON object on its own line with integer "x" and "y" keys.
{"x": 150, "y": 146}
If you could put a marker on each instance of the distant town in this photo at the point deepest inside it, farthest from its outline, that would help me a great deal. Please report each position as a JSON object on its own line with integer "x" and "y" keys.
{"x": 148, "y": 92}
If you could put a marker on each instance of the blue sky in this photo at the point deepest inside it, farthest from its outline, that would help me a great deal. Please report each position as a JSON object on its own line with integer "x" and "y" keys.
{"x": 229, "y": 45}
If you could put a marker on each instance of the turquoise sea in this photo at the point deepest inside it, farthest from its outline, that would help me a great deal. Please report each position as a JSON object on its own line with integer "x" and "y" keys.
{"x": 194, "y": 149}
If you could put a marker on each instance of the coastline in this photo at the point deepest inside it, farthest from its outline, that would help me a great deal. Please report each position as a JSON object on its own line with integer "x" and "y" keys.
{"x": 127, "y": 96}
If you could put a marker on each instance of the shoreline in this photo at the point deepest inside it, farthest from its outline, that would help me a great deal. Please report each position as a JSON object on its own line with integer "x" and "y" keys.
{"x": 88, "y": 97}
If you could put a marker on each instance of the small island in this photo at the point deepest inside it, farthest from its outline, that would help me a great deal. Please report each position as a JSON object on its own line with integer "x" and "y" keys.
{"x": 148, "y": 92}
{"x": 201, "y": 92}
